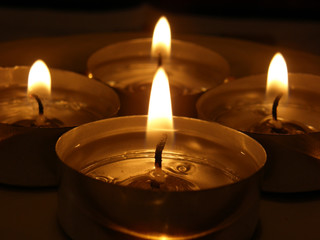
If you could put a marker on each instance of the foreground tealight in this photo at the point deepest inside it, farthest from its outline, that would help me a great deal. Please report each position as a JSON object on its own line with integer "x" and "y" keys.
{"x": 218, "y": 168}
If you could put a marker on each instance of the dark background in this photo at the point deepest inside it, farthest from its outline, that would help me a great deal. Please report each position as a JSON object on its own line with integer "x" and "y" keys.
{"x": 281, "y": 9}
{"x": 287, "y": 23}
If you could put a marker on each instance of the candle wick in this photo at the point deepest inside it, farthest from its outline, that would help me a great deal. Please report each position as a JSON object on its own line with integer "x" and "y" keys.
{"x": 159, "y": 149}
{"x": 40, "y": 105}
{"x": 277, "y": 125}
{"x": 275, "y": 107}
{"x": 159, "y": 60}
{"x": 158, "y": 173}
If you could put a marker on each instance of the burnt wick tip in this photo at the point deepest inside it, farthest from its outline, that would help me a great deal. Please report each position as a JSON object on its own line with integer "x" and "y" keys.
{"x": 40, "y": 105}
{"x": 159, "y": 60}
{"x": 159, "y": 148}
{"x": 275, "y": 107}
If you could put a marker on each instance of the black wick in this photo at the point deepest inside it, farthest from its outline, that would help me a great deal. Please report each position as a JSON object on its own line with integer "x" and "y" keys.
{"x": 277, "y": 126}
{"x": 275, "y": 107}
{"x": 40, "y": 105}
{"x": 159, "y": 149}
{"x": 159, "y": 60}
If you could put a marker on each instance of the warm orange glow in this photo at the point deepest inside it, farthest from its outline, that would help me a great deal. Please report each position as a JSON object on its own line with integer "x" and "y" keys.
{"x": 39, "y": 80}
{"x": 277, "y": 82}
{"x": 161, "y": 40}
{"x": 160, "y": 110}
{"x": 163, "y": 238}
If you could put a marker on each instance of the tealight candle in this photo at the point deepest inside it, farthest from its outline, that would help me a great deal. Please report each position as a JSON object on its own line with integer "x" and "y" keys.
{"x": 129, "y": 67}
{"x": 159, "y": 178}
{"x": 27, "y": 137}
{"x": 285, "y": 122}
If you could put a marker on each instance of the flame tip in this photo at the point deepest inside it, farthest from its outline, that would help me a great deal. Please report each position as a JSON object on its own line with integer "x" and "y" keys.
{"x": 39, "y": 79}
{"x": 160, "y": 110}
{"x": 277, "y": 81}
{"x": 161, "y": 40}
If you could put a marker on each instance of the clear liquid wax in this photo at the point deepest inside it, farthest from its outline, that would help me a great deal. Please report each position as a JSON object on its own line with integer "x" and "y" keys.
{"x": 246, "y": 117}
{"x": 16, "y": 106}
{"x": 184, "y": 74}
{"x": 117, "y": 155}
{"x": 124, "y": 169}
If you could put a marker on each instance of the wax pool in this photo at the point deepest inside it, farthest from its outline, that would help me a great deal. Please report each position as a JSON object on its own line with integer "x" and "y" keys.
{"x": 203, "y": 163}
{"x": 124, "y": 168}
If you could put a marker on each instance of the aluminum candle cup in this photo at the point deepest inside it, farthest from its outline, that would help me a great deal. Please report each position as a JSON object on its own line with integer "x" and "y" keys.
{"x": 129, "y": 68}
{"x": 293, "y": 163}
{"x": 98, "y": 160}
{"x": 28, "y": 155}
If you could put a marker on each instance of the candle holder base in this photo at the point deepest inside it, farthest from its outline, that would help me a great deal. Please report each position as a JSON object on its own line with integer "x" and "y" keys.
{"x": 27, "y": 150}
{"x": 293, "y": 158}
{"x": 128, "y": 68}
{"x": 78, "y": 223}
{"x": 228, "y": 174}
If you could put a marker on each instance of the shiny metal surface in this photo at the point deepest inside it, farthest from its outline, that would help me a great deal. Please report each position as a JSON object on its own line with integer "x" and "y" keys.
{"x": 28, "y": 152}
{"x": 293, "y": 161}
{"x": 89, "y": 206}
{"x": 127, "y": 66}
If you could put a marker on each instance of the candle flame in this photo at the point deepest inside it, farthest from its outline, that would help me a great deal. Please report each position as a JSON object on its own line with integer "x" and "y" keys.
{"x": 161, "y": 40}
{"x": 160, "y": 110}
{"x": 160, "y": 123}
{"x": 39, "y": 80}
{"x": 277, "y": 82}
